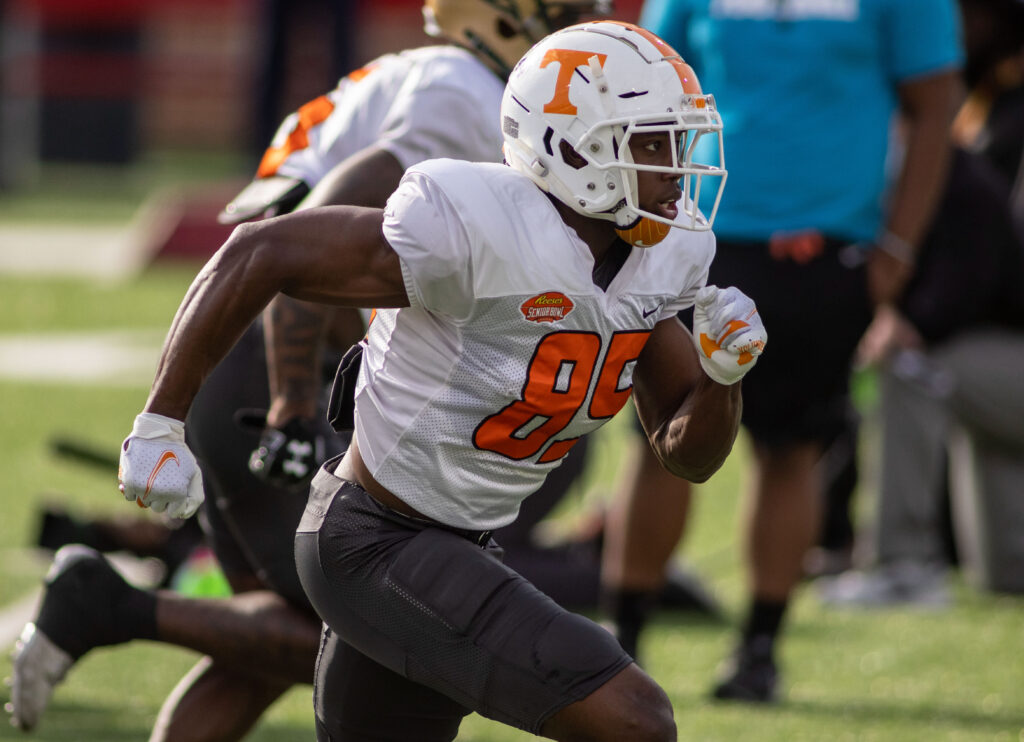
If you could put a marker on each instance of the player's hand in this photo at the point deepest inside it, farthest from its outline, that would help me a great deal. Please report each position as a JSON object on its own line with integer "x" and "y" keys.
{"x": 290, "y": 455}
{"x": 157, "y": 469}
{"x": 728, "y": 332}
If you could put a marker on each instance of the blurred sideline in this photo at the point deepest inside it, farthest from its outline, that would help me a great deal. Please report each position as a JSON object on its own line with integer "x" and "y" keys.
{"x": 111, "y": 358}
{"x": 172, "y": 223}
{"x": 175, "y": 223}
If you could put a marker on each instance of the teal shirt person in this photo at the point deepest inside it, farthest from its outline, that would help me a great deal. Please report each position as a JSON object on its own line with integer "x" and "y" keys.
{"x": 807, "y": 90}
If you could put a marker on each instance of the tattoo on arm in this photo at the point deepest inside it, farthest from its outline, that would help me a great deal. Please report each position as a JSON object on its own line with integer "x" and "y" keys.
{"x": 294, "y": 345}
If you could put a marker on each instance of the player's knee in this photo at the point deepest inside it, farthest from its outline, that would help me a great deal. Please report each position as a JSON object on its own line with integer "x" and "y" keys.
{"x": 631, "y": 706}
{"x": 648, "y": 718}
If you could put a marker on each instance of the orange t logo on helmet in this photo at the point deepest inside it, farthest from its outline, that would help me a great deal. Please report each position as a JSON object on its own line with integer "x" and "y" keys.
{"x": 569, "y": 61}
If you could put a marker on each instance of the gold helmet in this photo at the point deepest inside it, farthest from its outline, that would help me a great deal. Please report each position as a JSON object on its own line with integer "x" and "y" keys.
{"x": 501, "y": 31}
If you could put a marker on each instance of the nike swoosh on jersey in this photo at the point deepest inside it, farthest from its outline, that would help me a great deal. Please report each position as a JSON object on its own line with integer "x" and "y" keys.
{"x": 649, "y": 312}
{"x": 164, "y": 458}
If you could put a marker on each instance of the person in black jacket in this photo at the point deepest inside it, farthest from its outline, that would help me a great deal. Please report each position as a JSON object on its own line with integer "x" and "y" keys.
{"x": 949, "y": 359}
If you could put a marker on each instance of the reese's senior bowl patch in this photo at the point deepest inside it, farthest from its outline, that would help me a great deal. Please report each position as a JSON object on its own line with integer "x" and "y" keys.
{"x": 550, "y": 306}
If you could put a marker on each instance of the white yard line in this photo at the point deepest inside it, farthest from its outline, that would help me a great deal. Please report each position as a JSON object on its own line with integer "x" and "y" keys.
{"x": 121, "y": 358}
{"x": 109, "y": 251}
{"x": 92, "y": 251}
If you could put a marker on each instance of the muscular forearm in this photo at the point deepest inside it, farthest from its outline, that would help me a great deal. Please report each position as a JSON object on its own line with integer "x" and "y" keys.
{"x": 298, "y": 254}
{"x": 695, "y": 442}
{"x": 225, "y": 297}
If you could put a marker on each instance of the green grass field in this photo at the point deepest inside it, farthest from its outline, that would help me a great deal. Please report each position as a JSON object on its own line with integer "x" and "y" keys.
{"x": 895, "y": 676}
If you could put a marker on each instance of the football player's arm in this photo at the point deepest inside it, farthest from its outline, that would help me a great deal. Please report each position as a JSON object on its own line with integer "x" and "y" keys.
{"x": 300, "y": 254}
{"x": 295, "y": 330}
{"x": 690, "y": 420}
{"x": 928, "y": 105}
{"x": 335, "y": 255}
{"x": 688, "y": 393}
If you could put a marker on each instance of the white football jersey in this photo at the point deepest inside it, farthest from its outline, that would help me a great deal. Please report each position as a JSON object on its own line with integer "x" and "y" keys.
{"x": 435, "y": 101}
{"x": 509, "y": 352}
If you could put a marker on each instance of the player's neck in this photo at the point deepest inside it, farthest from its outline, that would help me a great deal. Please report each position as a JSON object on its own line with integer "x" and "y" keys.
{"x": 598, "y": 234}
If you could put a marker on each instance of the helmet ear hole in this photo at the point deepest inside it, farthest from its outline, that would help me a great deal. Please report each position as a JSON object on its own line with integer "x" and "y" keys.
{"x": 506, "y": 29}
{"x": 570, "y": 156}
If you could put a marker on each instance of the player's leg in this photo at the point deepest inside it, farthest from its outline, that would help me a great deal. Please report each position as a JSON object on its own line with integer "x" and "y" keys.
{"x": 167, "y": 539}
{"x": 256, "y": 553}
{"x": 780, "y": 524}
{"x": 357, "y": 699}
{"x": 257, "y": 632}
{"x": 793, "y": 405}
{"x": 629, "y": 706}
{"x": 442, "y": 611}
{"x": 215, "y": 703}
{"x": 87, "y": 604}
{"x": 257, "y": 645}
{"x": 646, "y": 522}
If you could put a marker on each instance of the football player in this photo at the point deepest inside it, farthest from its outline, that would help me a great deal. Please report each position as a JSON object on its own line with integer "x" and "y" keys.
{"x": 517, "y": 308}
{"x": 352, "y": 145}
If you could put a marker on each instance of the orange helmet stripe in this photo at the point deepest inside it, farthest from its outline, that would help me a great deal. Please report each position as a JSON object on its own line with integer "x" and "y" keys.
{"x": 687, "y": 76}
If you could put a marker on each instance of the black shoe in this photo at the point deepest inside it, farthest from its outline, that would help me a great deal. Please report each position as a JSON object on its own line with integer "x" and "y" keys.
{"x": 750, "y": 674}
{"x": 80, "y": 610}
{"x": 88, "y": 604}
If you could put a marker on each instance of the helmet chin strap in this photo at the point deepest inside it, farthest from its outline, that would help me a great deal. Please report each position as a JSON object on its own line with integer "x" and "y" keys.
{"x": 636, "y": 229}
{"x": 644, "y": 233}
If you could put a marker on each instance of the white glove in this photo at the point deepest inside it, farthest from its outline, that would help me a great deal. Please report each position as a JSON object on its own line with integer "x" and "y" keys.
{"x": 157, "y": 469}
{"x": 728, "y": 332}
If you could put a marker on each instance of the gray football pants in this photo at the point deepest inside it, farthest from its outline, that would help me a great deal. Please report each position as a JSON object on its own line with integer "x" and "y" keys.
{"x": 969, "y": 391}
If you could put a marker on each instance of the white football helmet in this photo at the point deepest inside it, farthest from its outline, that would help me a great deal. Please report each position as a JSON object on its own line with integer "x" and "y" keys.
{"x": 502, "y": 30}
{"x": 572, "y": 104}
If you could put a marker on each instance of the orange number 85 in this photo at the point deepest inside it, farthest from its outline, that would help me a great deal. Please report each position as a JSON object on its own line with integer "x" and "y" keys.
{"x": 557, "y": 382}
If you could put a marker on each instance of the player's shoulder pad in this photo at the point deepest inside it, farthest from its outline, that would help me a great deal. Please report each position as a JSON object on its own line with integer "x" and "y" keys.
{"x": 451, "y": 170}
{"x": 273, "y": 195}
{"x": 475, "y": 188}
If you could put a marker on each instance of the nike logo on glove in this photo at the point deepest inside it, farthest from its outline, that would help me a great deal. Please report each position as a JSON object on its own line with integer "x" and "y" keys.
{"x": 164, "y": 458}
